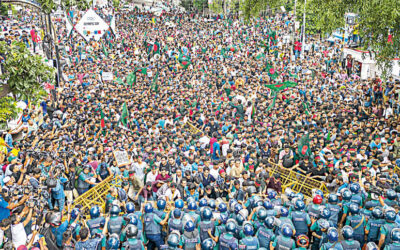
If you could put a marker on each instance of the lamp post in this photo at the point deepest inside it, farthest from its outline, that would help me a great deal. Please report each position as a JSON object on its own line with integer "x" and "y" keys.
{"x": 304, "y": 30}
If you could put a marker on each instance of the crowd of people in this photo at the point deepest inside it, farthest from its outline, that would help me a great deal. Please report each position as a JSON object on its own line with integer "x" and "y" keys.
{"x": 205, "y": 110}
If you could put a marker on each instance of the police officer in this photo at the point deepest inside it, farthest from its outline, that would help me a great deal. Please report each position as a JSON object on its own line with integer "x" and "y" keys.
{"x": 346, "y": 197}
{"x": 260, "y": 218}
{"x": 172, "y": 241}
{"x": 116, "y": 222}
{"x": 222, "y": 208}
{"x": 96, "y": 222}
{"x": 334, "y": 208}
{"x": 301, "y": 220}
{"x": 227, "y": 240}
{"x": 133, "y": 239}
{"x": 175, "y": 223}
{"x": 333, "y": 237}
{"x": 192, "y": 207}
{"x": 272, "y": 197}
{"x": 356, "y": 195}
{"x": 130, "y": 210}
{"x": 357, "y": 222}
{"x": 179, "y": 204}
{"x": 349, "y": 243}
{"x": 113, "y": 242}
{"x": 249, "y": 241}
{"x": 395, "y": 240}
{"x": 319, "y": 228}
{"x": 314, "y": 208}
{"x": 208, "y": 244}
{"x": 152, "y": 227}
{"x": 161, "y": 204}
{"x": 285, "y": 218}
{"x": 190, "y": 239}
{"x": 374, "y": 224}
{"x": 284, "y": 240}
{"x": 74, "y": 224}
{"x": 391, "y": 198}
{"x": 386, "y": 229}
{"x": 265, "y": 233}
{"x": 206, "y": 224}
{"x": 270, "y": 208}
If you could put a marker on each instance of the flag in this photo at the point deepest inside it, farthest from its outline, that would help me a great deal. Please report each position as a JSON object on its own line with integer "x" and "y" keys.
{"x": 131, "y": 79}
{"x": 142, "y": 70}
{"x": 328, "y": 138}
{"x": 218, "y": 108}
{"x": 154, "y": 86}
{"x": 102, "y": 122}
{"x": 124, "y": 115}
{"x": 304, "y": 146}
{"x": 232, "y": 48}
{"x": 260, "y": 56}
{"x": 305, "y": 106}
{"x": 273, "y": 102}
{"x": 253, "y": 111}
{"x": 119, "y": 81}
{"x": 281, "y": 86}
{"x": 105, "y": 50}
{"x": 156, "y": 48}
{"x": 184, "y": 60}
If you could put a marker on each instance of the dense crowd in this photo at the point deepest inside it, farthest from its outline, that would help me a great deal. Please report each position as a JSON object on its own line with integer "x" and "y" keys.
{"x": 205, "y": 109}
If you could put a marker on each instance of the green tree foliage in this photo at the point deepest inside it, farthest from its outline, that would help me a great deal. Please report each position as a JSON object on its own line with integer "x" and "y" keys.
{"x": 23, "y": 73}
{"x": 376, "y": 19}
{"x": 8, "y": 109}
{"x": 49, "y": 5}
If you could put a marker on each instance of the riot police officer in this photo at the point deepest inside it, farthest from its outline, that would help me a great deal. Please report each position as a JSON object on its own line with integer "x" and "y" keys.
{"x": 374, "y": 224}
{"x": 349, "y": 243}
{"x": 116, "y": 222}
{"x": 333, "y": 237}
{"x": 190, "y": 239}
{"x": 284, "y": 240}
{"x": 152, "y": 227}
{"x": 386, "y": 229}
{"x": 301, "y": 220}
{"x": 395, "y": 240}
{"x": 206, "y": 224}
{"x": 249, "y": 241}
{"x": 227, "y": 240}
{"x": 175, "y": 223}
{"x": 133, "y": 239}
{"x": 96, "y": 222}
{"x": 334, "y": 208}
{"x": 265, "y": 233}
{"x": 357, "y": 222}
{"x": 113, "y": 242}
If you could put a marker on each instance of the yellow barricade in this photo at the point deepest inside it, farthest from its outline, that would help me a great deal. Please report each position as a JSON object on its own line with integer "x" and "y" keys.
{"x": 191, "y": 128}
{"x": 97, "y": 194}
{"x": 297, "y": 182}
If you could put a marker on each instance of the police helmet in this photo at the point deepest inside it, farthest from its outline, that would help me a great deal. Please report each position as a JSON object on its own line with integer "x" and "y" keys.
{"x": 396, "y": 235}
{"x": 230, "y": 227}
{"x": 223, "y": 218}
{"x": 203, "y": 202}
{"x": 284, "y": 212}
{"x": 75, "y": 212}
{"x": 302, "y": 240}
{"x": 179, "y": 203}
{"x": 177, "y": 213}
{"x": 130, "y": 207}
{"x": 173, "y": 239}
{"x": 189, "y": 226}
{"x": 261, "y": 214}
{"x": 94, "y": 212}
{"x": 390, "y": 215}
{"x": 299, "y": 205}
{"x": 267, "y": 204}
{"x": 248, "y": 229}
{"x": 377, "y": 213}
{"x": 161, "y": 203}
{"x": 113, "y": 242}
{"x": 115, "y": 210}
{"x": 206, "y": 214}
{"x": 211, "y": 204}
{"x": 391, "y": 194}
{"x": 346, "y": 194}
{"x": 333, "y": 198}
{"x": 317, "y": 199}
{"x": 208, "y": 244}
{"x": 240, "y": 219}
{"x": 355, "y": 188}
{"x": 272, "y": 194}
{"x": 192, "y": 206}
{"x": 148, "y": 208}
{"x": 287, "y": 230}
{"x": 133, "y": 219}
{"x": 269, "y": 222}
{"x": 323, "y": 224}
{"x": 131, "y": 231}
{"x": 333, "y": 234}
{"x": 347, "y": 232}
{"x": 354, "y": 208}
{"x": 222, "y": 208}
{"x": 325, "y": 213}
{"x": 319, "y": 192}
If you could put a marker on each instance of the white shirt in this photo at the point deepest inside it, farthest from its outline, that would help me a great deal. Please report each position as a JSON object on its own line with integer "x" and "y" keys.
{"x": 151, "y": 177}
{"x": 139, "y": 169}
{"x": 171, "y": 196}
{"x": 19, "y": 236}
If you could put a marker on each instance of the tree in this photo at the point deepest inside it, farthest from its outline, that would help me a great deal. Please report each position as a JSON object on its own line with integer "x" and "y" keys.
{"x": 378, "y": 22}
{"x": 23, "y": 74}
{"x": 48, "y": 6}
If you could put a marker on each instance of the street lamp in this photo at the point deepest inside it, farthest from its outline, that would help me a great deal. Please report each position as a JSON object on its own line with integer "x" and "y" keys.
{"x": 304, "y": 31}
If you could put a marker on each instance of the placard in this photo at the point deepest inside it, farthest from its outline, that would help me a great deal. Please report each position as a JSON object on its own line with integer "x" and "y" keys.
{"x": 122, "y": 158}
{"x": 91, "y": 25}
{"x": 107, "y": 76}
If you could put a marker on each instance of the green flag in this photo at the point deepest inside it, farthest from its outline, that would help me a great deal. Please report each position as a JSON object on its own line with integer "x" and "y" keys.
{"x": 131, "y": 79}
{"x": 119, "y": 81}
{"x": 124, "y": 115}
{"x": 281, "y": 86}
{"x": 305, "y": 106}
{"x": 154, "y": 86}
{"x": 156, "y": 48}
{"x": 304, "y": 146}
{"x": 273, "y": 102}
{"x": 184, "y": 60}
{"x": 105, "y": 50}
{"x": 141, "y": 70}
{"x": 260, "y": 56}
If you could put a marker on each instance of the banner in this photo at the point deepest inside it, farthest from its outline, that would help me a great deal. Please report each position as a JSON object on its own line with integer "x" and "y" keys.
{"x": 91, "y": 26}
{"x": 107, "y": 76}
{"x": 68, "y": 25}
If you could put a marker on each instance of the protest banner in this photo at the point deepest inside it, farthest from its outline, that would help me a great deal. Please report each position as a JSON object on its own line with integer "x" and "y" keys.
{"x": 122, "y": 158}
{"x": 91, "y": 25}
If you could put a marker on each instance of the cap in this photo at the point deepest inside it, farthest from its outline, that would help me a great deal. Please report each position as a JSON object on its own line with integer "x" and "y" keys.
{"x": 6, "y": 179}
{"x": 221, "y": 171}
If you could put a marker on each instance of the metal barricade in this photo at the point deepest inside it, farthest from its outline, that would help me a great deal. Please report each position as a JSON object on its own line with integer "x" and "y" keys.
{"x": 297, "y": 182}
{"x": 97, "y": 194}
{"x": 191, "y": 128}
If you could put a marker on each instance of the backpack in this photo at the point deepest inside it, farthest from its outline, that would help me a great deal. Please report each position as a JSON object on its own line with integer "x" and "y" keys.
{"x": 287, "y": 162}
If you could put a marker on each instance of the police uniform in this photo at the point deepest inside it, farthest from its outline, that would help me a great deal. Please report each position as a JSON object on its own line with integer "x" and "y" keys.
{"x": 373, "y": 228}
{"x": 357, "y": 222}
{"x": 133, "y": 244}
{"x": 350, "y": 245}
{"x": 190, "y": 240}
{"x": 204, "y": 227}
{"x": 265, "y": 236}
{"x": 152, "y": 229}
{"x": 301, "y": 220}
{"x": 227, "y": 242}
{"x": 335, "y": 211}
{"x": 386, "y": 230}
{"x": 284, "y": 243}
{"x": 249, "y": 243}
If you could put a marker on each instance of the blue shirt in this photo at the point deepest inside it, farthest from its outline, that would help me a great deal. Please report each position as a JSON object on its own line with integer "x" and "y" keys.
{"x": 58, "y": 232}
{"x": 4, "y": 211}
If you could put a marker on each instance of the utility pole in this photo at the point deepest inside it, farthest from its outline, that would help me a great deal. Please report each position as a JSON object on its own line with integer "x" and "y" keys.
{"x": 304, "y": 30}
